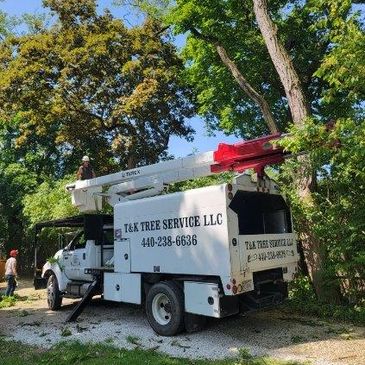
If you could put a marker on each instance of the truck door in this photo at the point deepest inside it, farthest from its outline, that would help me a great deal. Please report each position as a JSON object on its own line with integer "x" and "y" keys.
{"x": 75, "y": 259}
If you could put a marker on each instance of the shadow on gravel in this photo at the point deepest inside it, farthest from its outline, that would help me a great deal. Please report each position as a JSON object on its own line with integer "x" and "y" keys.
{"x": 272, "y": 329}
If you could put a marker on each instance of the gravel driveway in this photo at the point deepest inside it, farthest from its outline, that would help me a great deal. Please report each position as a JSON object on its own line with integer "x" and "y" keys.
{"x": 274, "y": 333}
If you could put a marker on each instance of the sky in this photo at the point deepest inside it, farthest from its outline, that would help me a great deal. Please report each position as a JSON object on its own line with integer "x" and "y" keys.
{"x": 178, "y": 147}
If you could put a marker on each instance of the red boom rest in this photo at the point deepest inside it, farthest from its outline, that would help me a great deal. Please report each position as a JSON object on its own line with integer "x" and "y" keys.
{"x": 254, "y": 154}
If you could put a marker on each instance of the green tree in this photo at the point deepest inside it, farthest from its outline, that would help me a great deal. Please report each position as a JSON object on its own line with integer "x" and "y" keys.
{"x": 86, "y": 84}
{"x": 15, "y": 182}
{"x": 48, "y": 201}
{"x": 7, "y": 24}
{"x": 335, "y": 218}
{"x": 343, "y": 66}
{"x": 307, "y": 33}
{"x": 90, "y": 85}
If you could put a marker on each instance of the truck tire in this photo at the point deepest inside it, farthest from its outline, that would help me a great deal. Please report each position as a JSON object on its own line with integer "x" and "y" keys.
{"x": 54, "y": 298}
{"x": 165, "y": 308}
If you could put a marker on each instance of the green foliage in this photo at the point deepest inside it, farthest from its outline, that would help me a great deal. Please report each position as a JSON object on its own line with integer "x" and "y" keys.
{"x": 73, "y": 12}
{"x": 7, "y": 24}
{"x": 323, "y": 38}
{"x": 302, "y": 299}
{"x": 157, "y": 9}
{"x": 7, "y": 302}
{"x": 221, "y": 102}
{"x": 16, "y": 180}
{"x": 66, "y": 332}
{"x": 335, "y": 212}
{"x": 201, "y": 182}
{"x": 50, "y": 200}
{"x": 88, "y": 84}
{"x": 84, "y": 85}
{"x": 301, "y": 289}
{"x": 343, "y": 66}
{"x": 53, "y": 260}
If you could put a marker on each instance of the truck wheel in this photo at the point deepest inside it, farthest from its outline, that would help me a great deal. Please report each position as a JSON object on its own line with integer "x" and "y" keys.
{"x": 54, "y": 298}
{"x": 165, "y": 308}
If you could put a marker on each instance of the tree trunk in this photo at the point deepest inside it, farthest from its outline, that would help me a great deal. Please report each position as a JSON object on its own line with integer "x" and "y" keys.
{"x": 131, "y": 162}
{"x": 299, "y": 111}
{"x": 242, "y": 82}
{"x": 281, "y": 60}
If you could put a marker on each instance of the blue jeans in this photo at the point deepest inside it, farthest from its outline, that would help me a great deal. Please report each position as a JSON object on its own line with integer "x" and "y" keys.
{"x": 11, "y": 285}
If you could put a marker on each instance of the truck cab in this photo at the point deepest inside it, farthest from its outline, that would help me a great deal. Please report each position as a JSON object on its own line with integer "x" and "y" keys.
{"x": 89, "y": 247}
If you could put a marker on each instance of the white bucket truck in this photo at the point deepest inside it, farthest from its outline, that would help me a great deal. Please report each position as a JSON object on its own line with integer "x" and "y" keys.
{"x": 207, "y": 252}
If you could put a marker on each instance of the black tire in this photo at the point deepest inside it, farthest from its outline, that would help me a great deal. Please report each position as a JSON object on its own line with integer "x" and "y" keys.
{"x": 165, "y": 308}
{"x": 54, "y": 298}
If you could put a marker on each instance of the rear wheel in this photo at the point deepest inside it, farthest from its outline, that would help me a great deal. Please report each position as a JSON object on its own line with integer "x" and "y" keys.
{"x": 165, "y": 308}
{"x": 54, "y": 298}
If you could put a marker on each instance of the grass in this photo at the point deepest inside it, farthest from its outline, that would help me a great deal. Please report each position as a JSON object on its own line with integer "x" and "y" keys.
{"x": 297, "y": 339}
{"x": 65, "y": 332}
{"x": 134, "y": 340}
{"x": 65, "y": 353}
{"x": 7, "y": 302}
{"x": 350, "y": 314}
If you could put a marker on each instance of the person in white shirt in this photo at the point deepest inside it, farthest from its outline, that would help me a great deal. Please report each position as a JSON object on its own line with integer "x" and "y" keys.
{"x": 11, "y": 273}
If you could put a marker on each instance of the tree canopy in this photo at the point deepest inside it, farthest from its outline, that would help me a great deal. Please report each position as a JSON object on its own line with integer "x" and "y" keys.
{"x": 86, "y": 84}
{"x": 324, "y": 47}
{"x": 91, "y": 85}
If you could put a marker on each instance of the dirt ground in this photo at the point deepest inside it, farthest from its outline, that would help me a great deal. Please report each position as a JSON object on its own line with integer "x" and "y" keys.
{"x": 275, "y": 333}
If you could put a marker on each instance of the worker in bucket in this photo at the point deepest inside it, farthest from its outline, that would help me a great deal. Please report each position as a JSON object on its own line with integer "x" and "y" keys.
{"x": 85, "y": 171}
{"x": 11, "y": 273}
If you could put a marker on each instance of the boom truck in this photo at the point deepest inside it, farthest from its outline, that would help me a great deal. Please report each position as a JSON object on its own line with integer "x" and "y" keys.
{"x": 208, "y": 252}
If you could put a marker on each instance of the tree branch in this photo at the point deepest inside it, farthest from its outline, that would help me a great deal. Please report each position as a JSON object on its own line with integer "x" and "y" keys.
{"x": 242, "y": 82}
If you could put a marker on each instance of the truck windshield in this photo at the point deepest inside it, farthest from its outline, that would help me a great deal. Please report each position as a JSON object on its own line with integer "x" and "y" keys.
{"x": 260, "y": 213}
{"x": 77, "y": 242}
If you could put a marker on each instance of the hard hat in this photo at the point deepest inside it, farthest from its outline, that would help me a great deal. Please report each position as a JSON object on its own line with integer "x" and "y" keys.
{"x": 85, "y": 159}
{"x": 14, "y": 253}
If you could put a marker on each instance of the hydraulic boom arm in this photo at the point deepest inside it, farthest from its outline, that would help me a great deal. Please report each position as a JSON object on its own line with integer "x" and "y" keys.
{"x": 150, "y": 180}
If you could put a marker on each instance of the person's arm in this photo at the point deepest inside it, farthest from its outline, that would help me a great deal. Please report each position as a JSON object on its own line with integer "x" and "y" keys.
{"x": 93, "y": 172}
{"x": 79, "y": 173}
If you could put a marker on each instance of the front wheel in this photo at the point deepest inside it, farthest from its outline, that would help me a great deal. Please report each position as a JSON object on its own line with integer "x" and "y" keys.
{"x": 54, "y": 298}
{"x": 165, "y": 308}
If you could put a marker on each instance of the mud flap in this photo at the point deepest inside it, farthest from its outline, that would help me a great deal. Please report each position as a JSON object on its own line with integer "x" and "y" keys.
{"x": 194, "y": 322}
{"x": 39, "y": 283}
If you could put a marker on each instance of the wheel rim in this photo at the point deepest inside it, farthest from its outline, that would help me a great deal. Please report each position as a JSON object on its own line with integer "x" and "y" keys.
{"x": 161, "y": 309}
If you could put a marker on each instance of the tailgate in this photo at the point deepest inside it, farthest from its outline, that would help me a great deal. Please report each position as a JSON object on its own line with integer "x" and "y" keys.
{"x": 267, "y": 251}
